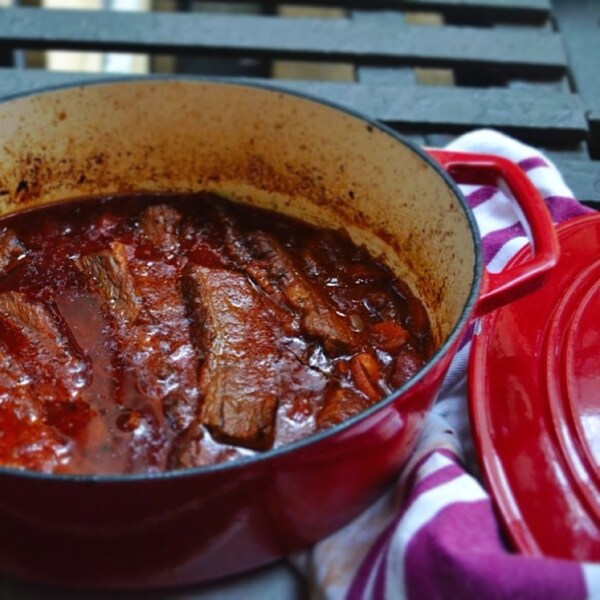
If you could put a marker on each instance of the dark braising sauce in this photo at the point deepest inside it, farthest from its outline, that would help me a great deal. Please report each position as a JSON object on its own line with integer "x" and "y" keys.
{"x": 140, "y": 334}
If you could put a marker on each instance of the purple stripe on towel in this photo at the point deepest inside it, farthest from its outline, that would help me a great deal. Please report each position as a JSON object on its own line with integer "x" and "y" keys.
{"x": 493, "y": 241}
{"x": 376, "y": 554}
{"x": 379, "y": 587}
{"x": 459, "y": 554}
{"x": 433, "y": 480}
{"x": 562, "y": 208}
{"x": 358, "y": 587}
{"x": 415, "y": 472}
{"x": 439, "y": 477}
{"x": 532, "y": 162}
{"x": 481, "y": 195}
{"x": 380, "y": 547}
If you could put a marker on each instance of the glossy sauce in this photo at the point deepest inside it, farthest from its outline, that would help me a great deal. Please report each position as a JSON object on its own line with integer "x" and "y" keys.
{"x": 139, "y": 334}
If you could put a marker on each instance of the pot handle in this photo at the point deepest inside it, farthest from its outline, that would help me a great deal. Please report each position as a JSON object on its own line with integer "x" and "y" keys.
{"x": 512, "y": 283}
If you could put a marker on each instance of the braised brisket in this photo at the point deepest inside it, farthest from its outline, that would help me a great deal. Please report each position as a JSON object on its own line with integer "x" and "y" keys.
{"x": 145, "y": 304}
{"x": 339, "y": 405}
{"x": 42, "y": 347}
{"x": 241, "y": 374}
{"x": 274, "y": 270}
{"x": 159, "y": 226}
{"x": 12, "y": 251}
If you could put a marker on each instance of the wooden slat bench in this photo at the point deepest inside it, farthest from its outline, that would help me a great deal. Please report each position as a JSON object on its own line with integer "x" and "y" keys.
{"x": 520, "y": 66}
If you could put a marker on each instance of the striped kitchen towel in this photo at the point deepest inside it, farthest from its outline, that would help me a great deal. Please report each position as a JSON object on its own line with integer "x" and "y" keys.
{"x": 435, "y": 533}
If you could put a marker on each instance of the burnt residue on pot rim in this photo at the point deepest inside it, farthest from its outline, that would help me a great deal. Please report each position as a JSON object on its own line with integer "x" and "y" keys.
{"x": 27, "y": 188}
{"x": 277, "y": 151}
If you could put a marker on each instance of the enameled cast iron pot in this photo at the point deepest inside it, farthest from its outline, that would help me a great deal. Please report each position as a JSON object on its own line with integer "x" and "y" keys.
{"x": 300, "y": 157}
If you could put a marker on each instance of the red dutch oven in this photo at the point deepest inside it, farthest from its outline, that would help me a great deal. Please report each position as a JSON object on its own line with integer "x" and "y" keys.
{"x": 300, "y": 157}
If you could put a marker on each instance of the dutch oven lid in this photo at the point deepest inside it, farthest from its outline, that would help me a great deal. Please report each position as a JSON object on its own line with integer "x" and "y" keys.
{"x": 534, "y": 399}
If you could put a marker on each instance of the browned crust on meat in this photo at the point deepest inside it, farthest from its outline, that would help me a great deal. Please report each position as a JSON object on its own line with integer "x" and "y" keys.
{"x": 159, "y": 225}
{"x": 12, "y": 251}
{"x": 240, "y": 376}
{"x": 109, "y": 275}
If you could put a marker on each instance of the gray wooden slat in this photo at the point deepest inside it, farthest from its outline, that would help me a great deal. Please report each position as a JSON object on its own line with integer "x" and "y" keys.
{"x": 579, "y": 24}
{"x": 560, "y": 84}
{"x": 376, "y": 75}
{"x": 438, "y": 140}
{"x": 16, "y": 82}
{"x": 431, "y": 107}
{"x": 540, "y": 115}
{"x": 577, "y": 151}
{"x": 302, "y": 38}
{"x": 516, "y": 11}
{"x": 583, "y": 177}
{"x": 223, "y": 66}
{"x": 383, "y": 75}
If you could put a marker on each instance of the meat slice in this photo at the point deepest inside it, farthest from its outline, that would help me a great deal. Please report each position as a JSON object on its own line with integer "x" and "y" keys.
{"x": 145, "y": 305}
{"x": 241, "y": 377}
{"x": 159, "y": 226}
{"x": 172, "y": 361}
{"x": 238, "y": 252}
{"x": 195, "y": 448}
{"x": 273, "y": 269}
{"x": 12, "y": 251}
{"x": 15, "y": 387}
{"x": 34, "y": 336}
{"x": 159, "y": 283}
{"x": 108, "y": 273}
{"x": 25, "y": 440}
{"x": 44, "y": 379}
{"x": 339, "y": 405}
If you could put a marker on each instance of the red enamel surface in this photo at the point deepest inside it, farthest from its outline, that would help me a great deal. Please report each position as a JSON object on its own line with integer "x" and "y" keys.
{"x": 535, "y": 404}
{"x": 204, "y": 524}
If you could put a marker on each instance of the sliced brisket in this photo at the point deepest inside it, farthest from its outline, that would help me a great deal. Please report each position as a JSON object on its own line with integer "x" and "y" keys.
{"x": 159, "y": 225}
{"x": 12, "y": 251}
{"x": 301, "y": 306}
{"x": 275, "y": 271}
{"x": 241, "y": 377}
{"x": 340, "y": 404}
{"x": 37, "y": 340}
{"x": 25, "y": 440}
{"x": 145, "y": 304}
{"x": 109, "y": 275}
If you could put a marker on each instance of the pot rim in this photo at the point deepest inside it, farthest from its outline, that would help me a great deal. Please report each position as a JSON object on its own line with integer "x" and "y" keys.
{"x": 275, "y": 453}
